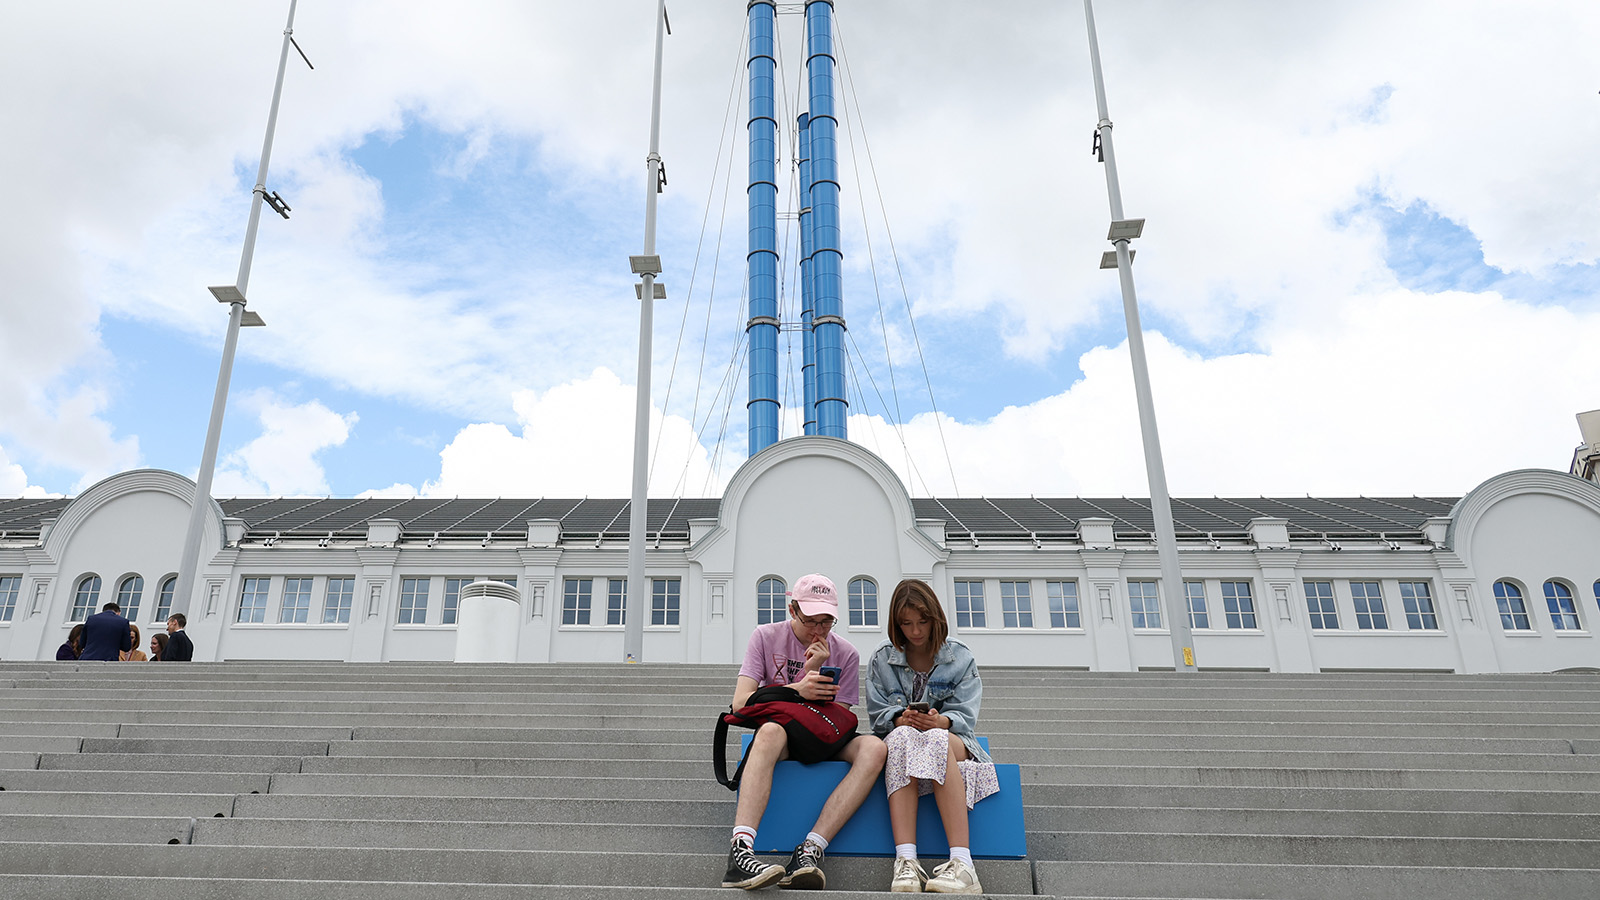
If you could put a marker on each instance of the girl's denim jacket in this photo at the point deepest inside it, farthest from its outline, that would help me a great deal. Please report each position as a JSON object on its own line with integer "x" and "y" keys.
{"x": 954, "y": 689}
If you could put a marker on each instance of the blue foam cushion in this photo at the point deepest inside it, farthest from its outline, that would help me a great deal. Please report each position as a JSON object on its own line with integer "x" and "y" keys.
{"x": 798, "y": 792}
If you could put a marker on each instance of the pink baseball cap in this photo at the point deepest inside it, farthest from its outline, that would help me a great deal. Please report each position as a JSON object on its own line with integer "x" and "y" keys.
{"x": 815, "y": 596}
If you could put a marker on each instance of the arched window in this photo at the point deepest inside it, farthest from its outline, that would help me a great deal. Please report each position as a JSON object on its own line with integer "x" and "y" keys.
{"x": 771, "y": 603}
{"x": 1513, "y": 612}
{"x": 1563, "y": 611}
{"x": 128, "y": 594}
{"x": 169, "y": 586}
{"x": 88, "y": 594}
{"x": 864, "y": 602}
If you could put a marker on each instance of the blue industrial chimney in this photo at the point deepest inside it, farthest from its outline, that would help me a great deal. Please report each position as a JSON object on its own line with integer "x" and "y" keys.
{"x": 808, "y": 368}
{"x": 762, "y": 260}
{"x": 827, "y": 323}
{"x": 821, "y": 260}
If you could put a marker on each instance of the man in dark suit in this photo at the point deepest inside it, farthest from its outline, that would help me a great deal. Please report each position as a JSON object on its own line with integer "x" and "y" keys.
{"x": 106, "y": 635}
{"x": 179, "y": 648}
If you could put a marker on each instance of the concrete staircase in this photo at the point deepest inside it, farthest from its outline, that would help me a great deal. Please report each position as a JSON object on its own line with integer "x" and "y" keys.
{"x": 415, "y": 780}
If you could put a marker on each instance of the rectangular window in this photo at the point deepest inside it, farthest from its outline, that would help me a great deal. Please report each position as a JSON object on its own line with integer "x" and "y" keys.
{"x": 1237, "y": 604}
{"x": 617, "y": 601}
{"x": 253, "y": 599}
{"x": 969, "y": 605}
{"x": 296, "y": 600}
{"x": 1144, "y": 604}
{"x": 1063, "y": 597}
{"x": 1319, "y": 604}
{"x": 414, "y": 601}
{"x": 864, "y": 603}
{"x": 664, "y": 601}
{"x": 1199, "y": 616}
{"x": 577, "y": 597}
{"x": 452, "y": 599}
{"x": 1418, "y": 600}
{"x": 336, "y": 602}
{"x": 1368, "y": 596}
{"x": 1016, "y": 604}
{"x": 10, "y": 585}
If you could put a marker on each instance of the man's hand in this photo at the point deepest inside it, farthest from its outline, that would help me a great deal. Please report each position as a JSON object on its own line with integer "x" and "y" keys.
{"x": 816, "y": 655}
{"x": 815, "y": 687}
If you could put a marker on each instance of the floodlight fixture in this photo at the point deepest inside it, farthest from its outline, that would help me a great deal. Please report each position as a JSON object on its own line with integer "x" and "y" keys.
{"x": 645, "y": 265}
{"x": 660, "y": 291}
{"x": 226, "y": 293}
{"x": 252, "y": 319}
{"x": 1125, "y": 229}
{"x": 1108, "y": 259}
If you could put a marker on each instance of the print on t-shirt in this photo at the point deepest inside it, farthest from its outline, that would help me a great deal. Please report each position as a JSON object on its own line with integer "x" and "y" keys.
{"x": 790, "y": 667}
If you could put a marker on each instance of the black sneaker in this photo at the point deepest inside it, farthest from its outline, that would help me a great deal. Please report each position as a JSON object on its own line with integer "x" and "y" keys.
{"x": 745, "y": 871}
{"x": 804, "y": 871}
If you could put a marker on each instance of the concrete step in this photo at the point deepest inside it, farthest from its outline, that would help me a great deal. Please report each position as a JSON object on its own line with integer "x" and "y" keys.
{"x": 696, "y": 768}
{"x": 1045, "y": 821}
{"x": 1437, "y": 800}
{"x": 19, "y": 759}
{"x": 485, "y": 809}
{"x": 166, "y": 762}
{"x": 567, "y": 867}
{"x": 72, "y": 803}
{"x": 52, "y": 887}
{"x": 1037, "y": 765}
{"x": 532, "y": 751}
{"x": 1318, "y": 849}
{"x": 38, "y": 743}
{"x": 1071, "y": 777}
{"x": 119, "y": 782}
{"x": 97, "y": 829}
{"x": 530, "y": 786}
{"x": 183, "y": 731}
{"x": 655, "y": 838}
{"x": 208, "y": 747}
{"x": 1150, "y": 879}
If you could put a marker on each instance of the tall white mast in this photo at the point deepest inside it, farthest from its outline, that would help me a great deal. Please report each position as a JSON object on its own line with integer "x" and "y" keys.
{"x": 647, "y": 265}
{"x": 234, "y": 296}
{"x": 1123, "y": 231}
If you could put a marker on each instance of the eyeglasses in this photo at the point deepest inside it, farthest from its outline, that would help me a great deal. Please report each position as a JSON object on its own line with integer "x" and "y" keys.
{"x": 824, "y": 623}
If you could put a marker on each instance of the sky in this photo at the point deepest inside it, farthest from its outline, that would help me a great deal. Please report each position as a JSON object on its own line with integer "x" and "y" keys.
{"x": 1369, "y": 265}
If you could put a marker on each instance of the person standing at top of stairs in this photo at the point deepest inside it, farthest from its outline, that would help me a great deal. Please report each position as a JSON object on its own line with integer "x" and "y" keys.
{"x": 106, "y": 635}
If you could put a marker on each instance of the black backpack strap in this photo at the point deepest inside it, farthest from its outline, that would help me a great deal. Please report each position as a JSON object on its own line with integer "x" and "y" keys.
{"x": 719, "y": 756}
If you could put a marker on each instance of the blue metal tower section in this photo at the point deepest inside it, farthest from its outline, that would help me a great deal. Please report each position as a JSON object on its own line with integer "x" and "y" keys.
{"x": 826, "y": 256}
{"x": 762, "y": 260}
{"x": 808, "y": 357}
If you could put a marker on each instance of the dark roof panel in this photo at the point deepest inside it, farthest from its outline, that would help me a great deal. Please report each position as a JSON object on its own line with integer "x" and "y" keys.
{"x": 1001, "y": 517}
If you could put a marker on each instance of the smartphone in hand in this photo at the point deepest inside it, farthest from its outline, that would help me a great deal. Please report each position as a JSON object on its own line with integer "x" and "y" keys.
{"x": 830, "y": 672}
{"x": 920, "y": 706}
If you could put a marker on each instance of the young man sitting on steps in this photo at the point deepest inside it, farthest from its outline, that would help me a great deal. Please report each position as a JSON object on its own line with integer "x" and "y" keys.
{"x": 791, "y": 653}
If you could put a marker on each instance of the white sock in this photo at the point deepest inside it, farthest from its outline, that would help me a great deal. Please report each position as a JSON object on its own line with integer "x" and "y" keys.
{"x": 744, "y": 833}
{"x": 962, "y": 853}
{"x": 819, "y": 840}
{"x": 905, "y": 851}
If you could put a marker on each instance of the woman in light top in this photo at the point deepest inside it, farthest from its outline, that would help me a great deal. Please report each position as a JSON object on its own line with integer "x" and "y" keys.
{"x": 920, "y": 663}
{"x": 134, "y": 655}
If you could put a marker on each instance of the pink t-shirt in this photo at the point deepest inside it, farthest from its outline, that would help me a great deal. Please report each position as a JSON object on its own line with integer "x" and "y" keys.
{"x": 775, "y": 656}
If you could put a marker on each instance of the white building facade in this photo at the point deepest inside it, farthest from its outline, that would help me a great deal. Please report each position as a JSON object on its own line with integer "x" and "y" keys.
{"x": 1505, "y": 579}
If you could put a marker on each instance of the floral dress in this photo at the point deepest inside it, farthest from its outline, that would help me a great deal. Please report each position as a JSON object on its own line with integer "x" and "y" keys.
{"x": 923, "y": 755}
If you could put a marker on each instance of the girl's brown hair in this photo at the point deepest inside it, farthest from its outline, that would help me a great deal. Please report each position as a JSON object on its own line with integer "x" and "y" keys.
{"x": 915, "y": 594}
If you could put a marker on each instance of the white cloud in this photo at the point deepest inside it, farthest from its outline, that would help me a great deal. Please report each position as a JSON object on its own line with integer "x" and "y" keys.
{"x": 14, "y": 481}
{"x": 1244, "y": 130}
{"x": 281, "y": 462}
{"x": 1387, "y": 397}
{"x": 575, "y": 439}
